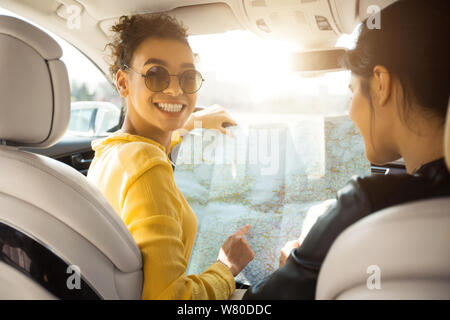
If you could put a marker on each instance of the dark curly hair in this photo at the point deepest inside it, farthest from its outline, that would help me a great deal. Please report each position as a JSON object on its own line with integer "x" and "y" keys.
{"x": 130, "y": 31}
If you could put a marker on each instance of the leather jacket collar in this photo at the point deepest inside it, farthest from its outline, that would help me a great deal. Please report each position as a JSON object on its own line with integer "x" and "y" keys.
{"x": 435, "y": 170}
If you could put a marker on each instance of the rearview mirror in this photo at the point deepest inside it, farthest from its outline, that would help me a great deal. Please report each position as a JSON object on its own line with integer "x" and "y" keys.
{"x": 318, "y": 61}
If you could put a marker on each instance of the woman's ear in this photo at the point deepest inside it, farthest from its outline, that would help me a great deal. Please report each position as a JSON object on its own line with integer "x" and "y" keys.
{"x": 122, "y": 83}
{"x": 382, "y": 84}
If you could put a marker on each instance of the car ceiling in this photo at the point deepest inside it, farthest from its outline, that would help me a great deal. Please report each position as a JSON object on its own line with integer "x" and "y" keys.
{"x": 294, "y": 18}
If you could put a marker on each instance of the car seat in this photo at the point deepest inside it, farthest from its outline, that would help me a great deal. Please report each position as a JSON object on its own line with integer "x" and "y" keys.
{"x": 59, "y": 237}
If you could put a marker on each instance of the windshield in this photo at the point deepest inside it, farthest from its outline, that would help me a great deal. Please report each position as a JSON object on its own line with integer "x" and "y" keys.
{"x": 248, "y": 74}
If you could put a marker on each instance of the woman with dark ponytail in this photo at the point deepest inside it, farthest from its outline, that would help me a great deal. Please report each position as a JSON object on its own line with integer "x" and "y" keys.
{"x": 400, "y": 84}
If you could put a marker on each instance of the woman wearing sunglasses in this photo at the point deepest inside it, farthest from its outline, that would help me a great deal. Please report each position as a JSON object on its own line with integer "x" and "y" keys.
{"x": 155, "y": 72}
{"x": 400, "y": 85}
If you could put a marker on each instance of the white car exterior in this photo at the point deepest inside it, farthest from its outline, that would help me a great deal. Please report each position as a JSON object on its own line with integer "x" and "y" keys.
{"x": 92, "y": 118}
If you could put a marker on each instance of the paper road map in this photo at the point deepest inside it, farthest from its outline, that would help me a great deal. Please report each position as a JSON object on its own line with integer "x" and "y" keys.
{"x": 269, "y": 175}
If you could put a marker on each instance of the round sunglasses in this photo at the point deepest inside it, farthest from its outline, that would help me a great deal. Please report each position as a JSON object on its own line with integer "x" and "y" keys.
{"x": 157, "y": 79}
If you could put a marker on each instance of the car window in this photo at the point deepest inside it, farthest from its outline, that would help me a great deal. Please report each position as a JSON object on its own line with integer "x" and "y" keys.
{"x": 248, "y": 75}
{"x": 293, "y": 148}
{"x": 87, "y": 84}
{"x": 81, "y": 119}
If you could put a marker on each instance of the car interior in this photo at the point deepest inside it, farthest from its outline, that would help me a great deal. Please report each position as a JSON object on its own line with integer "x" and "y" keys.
{"x": 54, "y": 223}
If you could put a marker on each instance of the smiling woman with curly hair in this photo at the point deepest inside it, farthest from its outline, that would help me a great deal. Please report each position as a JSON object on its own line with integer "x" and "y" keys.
{"x": 154, "y": 71}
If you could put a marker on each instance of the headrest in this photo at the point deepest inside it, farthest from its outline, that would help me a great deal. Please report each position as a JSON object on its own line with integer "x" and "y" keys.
{"x": 447, "y": 137}
{"x": 34, "y": 86}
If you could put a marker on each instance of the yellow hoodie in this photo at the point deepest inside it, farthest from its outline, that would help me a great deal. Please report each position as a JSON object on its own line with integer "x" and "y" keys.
{"x": 135, "y": 175}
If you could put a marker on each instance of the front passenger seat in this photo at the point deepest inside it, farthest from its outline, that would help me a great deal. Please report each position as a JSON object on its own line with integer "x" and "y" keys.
{"x": 59, "y": 237}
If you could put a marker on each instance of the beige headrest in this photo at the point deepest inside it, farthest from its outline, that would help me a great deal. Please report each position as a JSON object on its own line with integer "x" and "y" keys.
{"x": 34, "y": 86}
{"x": 447, "y": 137}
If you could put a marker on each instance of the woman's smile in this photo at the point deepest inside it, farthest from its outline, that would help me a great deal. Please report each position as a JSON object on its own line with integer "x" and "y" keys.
{"x": 170, "y": 108}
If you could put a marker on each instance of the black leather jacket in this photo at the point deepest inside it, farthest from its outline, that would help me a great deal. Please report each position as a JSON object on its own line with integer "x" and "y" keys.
{"x": 297, "y": 279}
